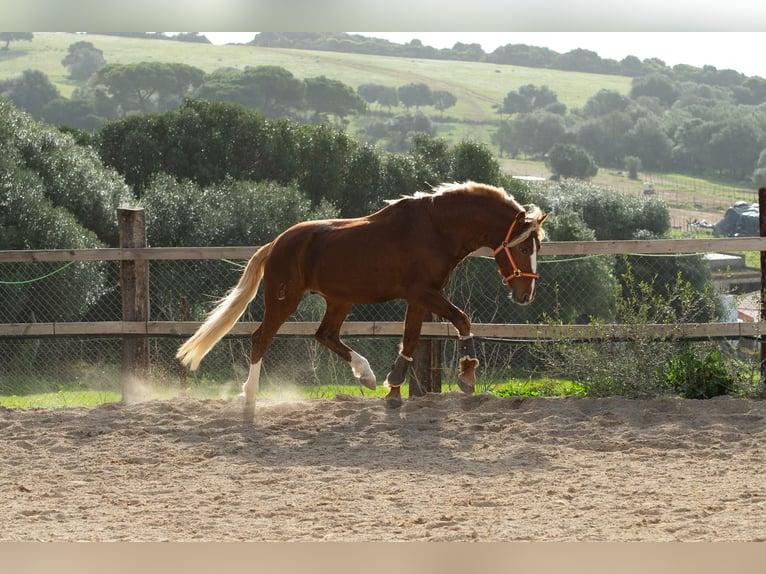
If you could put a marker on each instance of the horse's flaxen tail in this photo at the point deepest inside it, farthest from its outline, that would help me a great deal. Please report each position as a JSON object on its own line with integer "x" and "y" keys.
{"x": 226, "y": 313}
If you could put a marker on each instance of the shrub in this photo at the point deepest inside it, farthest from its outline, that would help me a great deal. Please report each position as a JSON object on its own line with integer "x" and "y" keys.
{"x": 698, "y": 378}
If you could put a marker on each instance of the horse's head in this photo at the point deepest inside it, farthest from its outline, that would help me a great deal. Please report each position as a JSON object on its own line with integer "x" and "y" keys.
{"x": 516, "y": 256}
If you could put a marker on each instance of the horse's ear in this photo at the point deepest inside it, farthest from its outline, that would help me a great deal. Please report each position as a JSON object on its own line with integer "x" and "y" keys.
{"x": 521, "y": 216}
{"x": 542, "y": 219}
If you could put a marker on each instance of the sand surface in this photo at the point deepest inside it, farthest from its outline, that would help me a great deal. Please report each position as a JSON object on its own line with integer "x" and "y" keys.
{"x": 441, "y": 468}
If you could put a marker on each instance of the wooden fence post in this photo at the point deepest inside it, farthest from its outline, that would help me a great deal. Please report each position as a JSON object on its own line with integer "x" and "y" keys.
{"x": 134, "y": 285}
{"x": 762, "y": 233}
{"x": 426, "y": 369}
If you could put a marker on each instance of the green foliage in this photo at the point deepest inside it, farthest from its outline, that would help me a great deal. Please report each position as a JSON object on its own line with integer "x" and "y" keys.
{"x": 532, "y": 134}
{"x": 633, "y": 165}
{"x": 49, "y": 166}
{"x": 528, "y": 98}
{"x": 415, "y": 94}
{"x": 610, "y": 214}
{"x": 698, "y": 378}
{"x": 328, "y": 96}
{"x": 628, "y": 361}
{"x": 539, "y": 388}
{"x": 271, "y": 90}
{"x": 83, "y": 59}
{"x": 53, "y": 195}
{"x": 473, "y": 161}
{"x": 134, "y": 86}
{"x": 570, "y": 160}
{"x": 9, "y": 37}
{"x": 230, "y": 212}
{"x": 31, "y": 92}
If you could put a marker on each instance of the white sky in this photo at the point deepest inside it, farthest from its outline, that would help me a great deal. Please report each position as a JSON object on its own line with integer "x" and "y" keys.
{"x": 741, "y": 51}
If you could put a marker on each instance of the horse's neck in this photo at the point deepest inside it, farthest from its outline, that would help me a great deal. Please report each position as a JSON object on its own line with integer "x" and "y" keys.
{"x": 473, "y": 225}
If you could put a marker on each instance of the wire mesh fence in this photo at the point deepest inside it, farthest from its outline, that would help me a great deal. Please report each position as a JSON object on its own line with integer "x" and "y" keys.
{"x": 583, "y": 289}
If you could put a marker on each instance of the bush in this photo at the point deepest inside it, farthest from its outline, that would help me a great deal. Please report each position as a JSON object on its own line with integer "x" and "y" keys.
{"x": 570, "y": 160}
{"x": 629, "y": 362}
{"x": 695, "y": 378}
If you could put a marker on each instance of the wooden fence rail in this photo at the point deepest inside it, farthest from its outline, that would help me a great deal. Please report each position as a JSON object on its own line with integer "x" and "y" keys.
{"x": 131, "y": 327}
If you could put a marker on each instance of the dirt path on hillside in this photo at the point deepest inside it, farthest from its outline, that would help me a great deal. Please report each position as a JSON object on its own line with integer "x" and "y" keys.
{"x": 443, "y": 467}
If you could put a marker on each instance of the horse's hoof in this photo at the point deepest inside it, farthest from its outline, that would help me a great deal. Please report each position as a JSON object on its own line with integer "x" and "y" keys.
{"x": 368, "y": 382}
{"x": 248, "y": 413}
{"x": 394, "y": 403}
{"x": 465, "y": 387}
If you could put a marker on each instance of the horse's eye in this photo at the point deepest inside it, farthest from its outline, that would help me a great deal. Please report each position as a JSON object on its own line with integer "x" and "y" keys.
{"x": 525, "y": 250}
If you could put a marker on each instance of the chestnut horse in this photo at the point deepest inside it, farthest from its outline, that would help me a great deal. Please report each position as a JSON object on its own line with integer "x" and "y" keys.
{"x": 407, "y": 250}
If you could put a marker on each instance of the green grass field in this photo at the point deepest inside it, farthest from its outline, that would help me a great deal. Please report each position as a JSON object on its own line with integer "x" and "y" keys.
{"x": 92, "y": 398}
{"x": 478, "y": 86}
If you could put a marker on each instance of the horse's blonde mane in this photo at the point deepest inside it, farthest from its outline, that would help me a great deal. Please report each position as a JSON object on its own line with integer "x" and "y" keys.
{"x": 471, "y": 187}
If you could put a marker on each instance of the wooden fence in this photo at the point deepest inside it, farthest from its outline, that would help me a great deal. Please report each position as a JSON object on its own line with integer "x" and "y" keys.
{"x": 135, "y": 328}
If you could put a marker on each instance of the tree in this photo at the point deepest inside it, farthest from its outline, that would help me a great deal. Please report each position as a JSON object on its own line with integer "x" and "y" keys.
{"x": 535, "y": 133}
{"x": 633, "y": 165}
{"x": 603, "y": 137}
{"x": 327, "y": 96}
{"x": 388, "y": 97}
{"x": 528, "y": 98}
{"x": 647, "y": 140}
{"x": 54, "y": 194}
{"x": 443, "y": 99}
{"x": 503, "y": 138}
{"x": 30, "y": 92}
{"x": 735, "y": 147}
{"x": 140, "y": 86}
{"x": 657, "y": 86}
{"x": 474, "y": 161}
{"x": 83, "y": 60}
{"x": 415, "y": 94}
{"x": 272, "y": 90}
{"x": 9, "y": 37}
{"x": 605, "y": 102}
{"x": 370, "y": 92}
{"x": 583, "y": 61}
{"x": 759, "y": 175}
{"x": 570, "y": 160}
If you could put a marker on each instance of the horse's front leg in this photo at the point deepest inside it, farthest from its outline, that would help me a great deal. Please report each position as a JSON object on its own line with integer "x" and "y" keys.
{"x": 413, "y": 321}
{"x": 437, "y": 303}
{"x": 466, "y": 378}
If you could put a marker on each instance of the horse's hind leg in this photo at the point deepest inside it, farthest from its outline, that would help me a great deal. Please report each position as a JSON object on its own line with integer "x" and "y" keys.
{"x": 413, "y": 322}
{"x": 276, "y": 313}
{"x": 329, "y": 335}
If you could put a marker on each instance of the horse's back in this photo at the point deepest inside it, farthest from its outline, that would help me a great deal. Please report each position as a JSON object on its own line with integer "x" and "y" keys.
{"x": 365, "y": 259}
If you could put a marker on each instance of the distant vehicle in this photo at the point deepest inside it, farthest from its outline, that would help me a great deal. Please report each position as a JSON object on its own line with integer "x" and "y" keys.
{"x": 740, "y": 220}
{"x": 648, "y": 188}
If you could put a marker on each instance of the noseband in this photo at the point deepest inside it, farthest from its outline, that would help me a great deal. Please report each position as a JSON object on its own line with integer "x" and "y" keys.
{"x": 506, "y": 246}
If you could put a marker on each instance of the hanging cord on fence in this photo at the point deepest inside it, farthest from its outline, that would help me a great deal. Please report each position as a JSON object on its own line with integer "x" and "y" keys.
{"x": 36, "y": 279}
{"x": 584, "y": 257}
{"x": 234, "y": 263}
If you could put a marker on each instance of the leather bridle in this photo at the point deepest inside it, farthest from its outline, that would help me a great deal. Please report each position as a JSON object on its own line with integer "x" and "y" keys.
{"x": 506, "y": 246}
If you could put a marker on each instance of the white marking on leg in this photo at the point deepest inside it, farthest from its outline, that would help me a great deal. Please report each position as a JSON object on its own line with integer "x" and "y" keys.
{"x": 362, "y": 371}
{"x": 251, "y": 384}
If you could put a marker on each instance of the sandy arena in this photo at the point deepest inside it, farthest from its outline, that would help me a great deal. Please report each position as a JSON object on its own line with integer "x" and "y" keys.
{"x": 441, "y": 468}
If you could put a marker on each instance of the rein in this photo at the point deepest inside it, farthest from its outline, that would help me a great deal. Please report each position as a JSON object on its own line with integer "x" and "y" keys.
{"x": 506, "y": 246}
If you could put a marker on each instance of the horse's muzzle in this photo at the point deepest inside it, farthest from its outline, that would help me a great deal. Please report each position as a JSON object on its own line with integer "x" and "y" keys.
{"x": 525, "y": 299}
